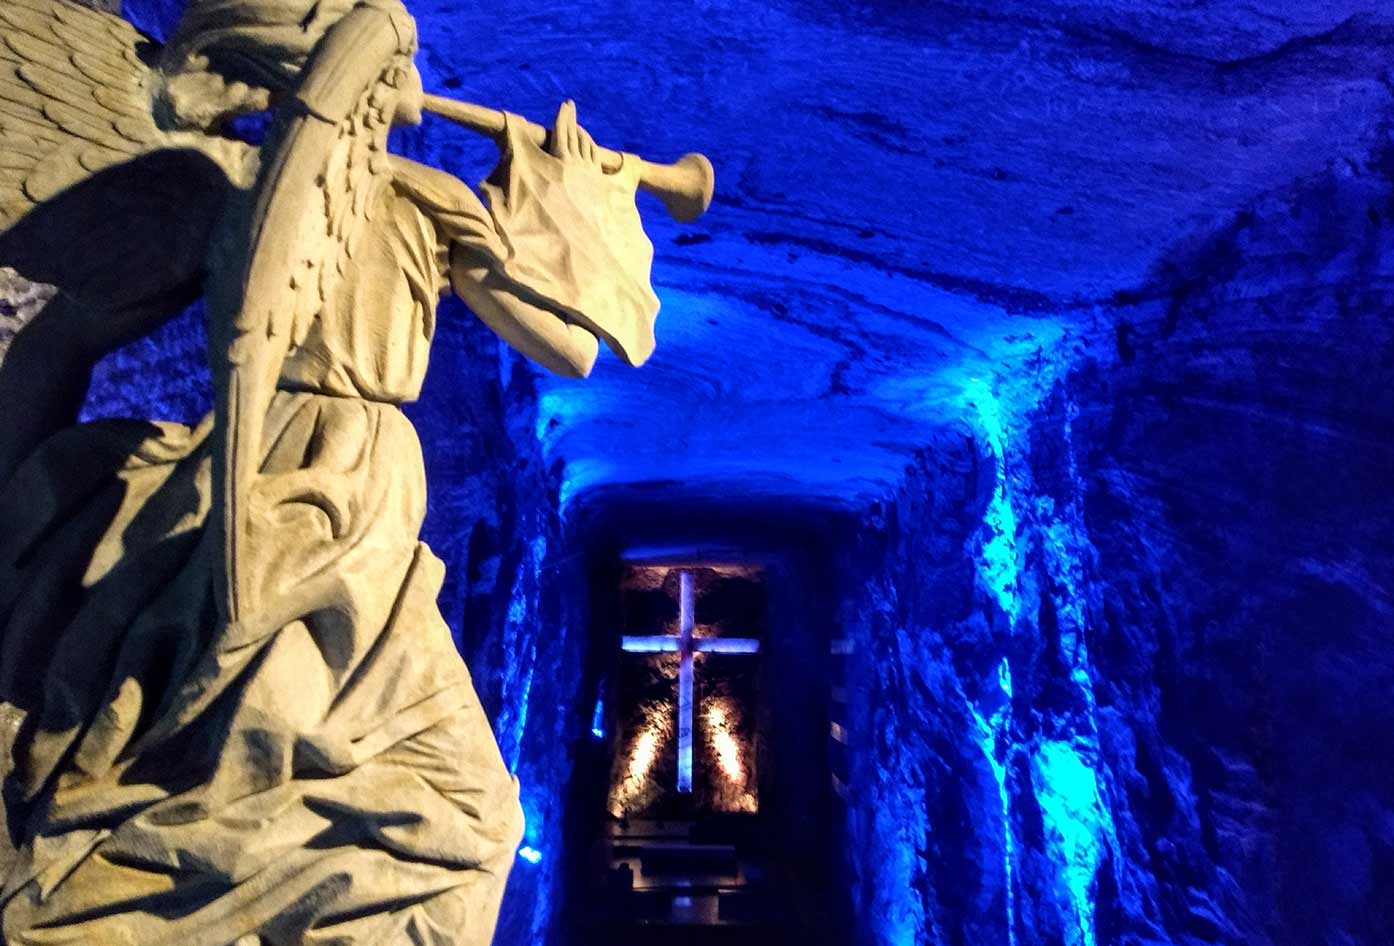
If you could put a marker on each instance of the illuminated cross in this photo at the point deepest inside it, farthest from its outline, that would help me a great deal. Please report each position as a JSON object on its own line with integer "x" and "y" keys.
{"x": 685, "y": 645}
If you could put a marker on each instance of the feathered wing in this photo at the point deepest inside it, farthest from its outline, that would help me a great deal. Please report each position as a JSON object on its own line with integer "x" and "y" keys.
{"x": 95, "y": 197}
{"x": 312, "y": 204}
{"x": 78, "y": 145}
{"x": 74, "y": 100}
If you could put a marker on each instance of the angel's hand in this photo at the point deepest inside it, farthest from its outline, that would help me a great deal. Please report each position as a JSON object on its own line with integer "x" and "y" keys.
{"x": 574, "y": 242}
{"x": 569, "y": 141}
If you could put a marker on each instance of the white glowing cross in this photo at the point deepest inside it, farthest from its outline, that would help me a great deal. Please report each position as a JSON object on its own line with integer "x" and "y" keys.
{"x": 685, "y": 645}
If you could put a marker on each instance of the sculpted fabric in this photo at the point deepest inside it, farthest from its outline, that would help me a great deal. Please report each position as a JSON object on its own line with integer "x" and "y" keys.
{"x": 332, "y": 782}
{"x": 603, "y": 265}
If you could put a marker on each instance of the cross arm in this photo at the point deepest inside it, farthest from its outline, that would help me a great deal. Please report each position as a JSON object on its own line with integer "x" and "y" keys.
{"x": 726, "y": 645}
{"x": 650, "y": 645}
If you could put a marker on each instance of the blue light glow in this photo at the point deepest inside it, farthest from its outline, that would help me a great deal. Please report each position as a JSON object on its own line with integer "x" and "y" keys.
{"x": 1074, "y": 818}
{"x": 726, "y": 645}
{"x": 994, "y": 738}
{"x": 521, "y": 641}
{"x": 703, "y": 645}
{"x": 521, "y": 725}
{"x": 998, "y": 568}
{"x": 530, "y": 854}
{"x": 685, "y": 686}
{"x": 685, "y": 723}
{"x": 650, "y": 645}
{"x": 598, "y": 719}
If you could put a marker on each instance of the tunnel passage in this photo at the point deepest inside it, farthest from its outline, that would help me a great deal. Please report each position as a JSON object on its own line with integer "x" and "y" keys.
{"x": 731, "y": 834}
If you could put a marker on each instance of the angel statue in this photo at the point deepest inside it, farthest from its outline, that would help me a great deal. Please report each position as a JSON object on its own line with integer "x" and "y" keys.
{"x": 244, "y": 720}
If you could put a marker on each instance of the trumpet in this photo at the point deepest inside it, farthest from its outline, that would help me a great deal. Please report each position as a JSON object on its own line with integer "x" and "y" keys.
{"x": 685, "y": 186}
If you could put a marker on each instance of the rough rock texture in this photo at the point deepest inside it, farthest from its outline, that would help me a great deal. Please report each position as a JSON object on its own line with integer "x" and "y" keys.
{"x": 1237, "y": 460}
{"x": 1125, "y": 644}
{"x": 20, "y": 301}
{"x": 910, "y": 196}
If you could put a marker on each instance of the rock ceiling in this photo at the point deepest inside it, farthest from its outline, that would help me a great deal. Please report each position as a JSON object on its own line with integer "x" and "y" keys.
{"x": 916, "y": 201}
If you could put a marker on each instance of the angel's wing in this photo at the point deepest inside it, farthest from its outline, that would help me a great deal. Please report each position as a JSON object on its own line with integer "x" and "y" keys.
{"x": 312, "y": 203}
{"x": 95, "y": 197}
{"x": 75, "y": 99}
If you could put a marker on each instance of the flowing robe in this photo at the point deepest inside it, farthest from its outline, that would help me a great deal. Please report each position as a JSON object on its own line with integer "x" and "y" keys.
{"x": 333, "y": 781}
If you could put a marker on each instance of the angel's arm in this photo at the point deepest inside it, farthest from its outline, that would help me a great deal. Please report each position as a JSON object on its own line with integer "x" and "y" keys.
{"x": 523, "y": 319}
{"x": 536, "y": 331}
{"x": 558, "y": 263}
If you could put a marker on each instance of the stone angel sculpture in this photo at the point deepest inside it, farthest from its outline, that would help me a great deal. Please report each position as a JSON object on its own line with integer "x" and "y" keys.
{"x": 244, "y": 720}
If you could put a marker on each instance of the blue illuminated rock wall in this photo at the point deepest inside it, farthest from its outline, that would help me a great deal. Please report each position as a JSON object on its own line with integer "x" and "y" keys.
{"x": 1122, "y": 650}
{"x": 1237, "y": 458}
{"x": 978, "y": 801}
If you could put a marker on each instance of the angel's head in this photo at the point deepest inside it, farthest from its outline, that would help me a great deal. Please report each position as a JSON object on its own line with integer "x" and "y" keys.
{"x": 236, "y": 57}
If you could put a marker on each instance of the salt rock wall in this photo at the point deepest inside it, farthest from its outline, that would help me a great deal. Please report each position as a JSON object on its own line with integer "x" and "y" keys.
{"x": 1236, "y": 459}
{"x": 1124, "y": 652}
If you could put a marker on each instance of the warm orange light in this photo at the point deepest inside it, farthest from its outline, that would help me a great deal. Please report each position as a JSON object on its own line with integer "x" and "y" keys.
{"x": 728, "y": 750}
{"x": 645, "y": 752}
{"x": 637, "y": 784}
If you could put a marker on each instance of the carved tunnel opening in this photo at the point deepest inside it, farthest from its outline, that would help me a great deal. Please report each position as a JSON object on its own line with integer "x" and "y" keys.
{"x": 703, "y": 806}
